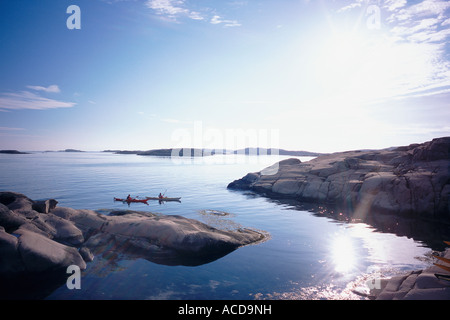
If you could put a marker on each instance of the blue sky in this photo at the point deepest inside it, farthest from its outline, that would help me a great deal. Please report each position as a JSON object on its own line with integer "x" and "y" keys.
{"x": 302, "y": 75}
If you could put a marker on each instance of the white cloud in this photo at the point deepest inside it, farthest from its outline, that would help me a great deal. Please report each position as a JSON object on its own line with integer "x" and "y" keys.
{"x": 227, "y": 23}
{"x": 430, "y": 7}
{"x": 29, "y": 100}
{"x": 167, "y": 7}
{"x": 173, "y": 9}
{"x": 52, "y": 89}
{"x": 425, "y": 25}
{"x": 405, "y": 58}
{"x": 421, "y": 22}
{"x": 426, "y": 36}
{"x": 422, "y": 26}
{"x": 216, "y": 20}
{"x": 195, "y": 15}
{"x": 350, "y": 6}
{"x": 422, "y": 9}
{"x": 392, "y": 5}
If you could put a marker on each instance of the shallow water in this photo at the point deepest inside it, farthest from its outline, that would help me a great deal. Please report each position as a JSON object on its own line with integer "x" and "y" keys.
{"x": 308, "y": 255}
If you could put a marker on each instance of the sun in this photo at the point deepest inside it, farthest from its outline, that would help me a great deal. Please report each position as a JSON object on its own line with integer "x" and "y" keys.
{"x": 342, "y": 64}
{"x": 361, "y": 67}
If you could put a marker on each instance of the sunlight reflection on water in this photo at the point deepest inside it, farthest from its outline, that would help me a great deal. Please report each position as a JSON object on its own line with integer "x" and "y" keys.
{"x": 343, "y": 254}
{"x": 308, "y": 256}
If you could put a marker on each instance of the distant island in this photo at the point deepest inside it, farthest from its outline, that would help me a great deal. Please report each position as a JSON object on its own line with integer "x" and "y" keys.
{"x": 276, "y": 151}
{"x": 65, "y": 150}
{"x": 13, "y": 152}
{"x": 190, "y": 152}
{"x": 70, "y": 150}
{"x": 197, "y": 152}
{"x": 122, "y": 151}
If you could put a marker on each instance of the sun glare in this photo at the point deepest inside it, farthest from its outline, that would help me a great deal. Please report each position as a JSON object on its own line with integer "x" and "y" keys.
{"x": 361, "y": 68}
{"x": 343, "y": 254}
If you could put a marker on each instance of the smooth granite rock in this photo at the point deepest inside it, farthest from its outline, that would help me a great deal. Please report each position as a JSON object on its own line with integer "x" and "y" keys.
{"x": 413, "y": 181}
{"x": 57, "y": 237}
{"x": 417, "y": 285}
{"x": 170, "y": 240}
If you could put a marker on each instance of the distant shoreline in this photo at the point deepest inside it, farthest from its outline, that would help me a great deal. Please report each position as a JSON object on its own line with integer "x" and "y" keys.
{"x": 71, "y": 150}
{"x": 186, "y": 152}
{"x": 12, "y": 152}
{"x": 197, "y": 152}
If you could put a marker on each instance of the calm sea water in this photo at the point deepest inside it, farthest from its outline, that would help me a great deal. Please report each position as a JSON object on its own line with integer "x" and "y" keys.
{"x": 308, "y": 256}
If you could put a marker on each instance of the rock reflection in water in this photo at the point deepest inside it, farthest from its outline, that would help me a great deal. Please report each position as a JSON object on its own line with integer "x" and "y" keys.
{"x": 428, "y": 232}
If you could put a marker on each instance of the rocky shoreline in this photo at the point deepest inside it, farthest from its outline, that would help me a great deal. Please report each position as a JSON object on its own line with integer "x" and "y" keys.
{"x": 39, "y": 240}
{"x": 415, "y": 285}
{"x": 412, "y": 181}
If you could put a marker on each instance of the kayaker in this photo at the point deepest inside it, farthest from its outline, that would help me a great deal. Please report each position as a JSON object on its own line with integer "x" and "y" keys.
{"x": 129, "y": 198}
{"x": 160, "y": 196}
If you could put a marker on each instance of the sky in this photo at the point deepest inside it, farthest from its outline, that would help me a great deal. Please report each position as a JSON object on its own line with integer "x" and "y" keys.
{"x": 313, "y": 75}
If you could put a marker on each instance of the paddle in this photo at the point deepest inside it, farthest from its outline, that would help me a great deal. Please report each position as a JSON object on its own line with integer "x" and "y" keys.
{"x": 442, "y": 258}
{"x": 442, "y": 267}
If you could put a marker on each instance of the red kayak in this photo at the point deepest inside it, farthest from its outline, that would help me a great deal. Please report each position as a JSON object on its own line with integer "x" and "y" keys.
{"x": 131, "y": 200}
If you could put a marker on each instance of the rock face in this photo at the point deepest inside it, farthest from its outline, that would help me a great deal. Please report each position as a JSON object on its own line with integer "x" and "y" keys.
{"x": 36, "y": 237}
{"x": 416, "y": 285}
{"x": 412, "y": 180}
{"x": 169, "y": 240}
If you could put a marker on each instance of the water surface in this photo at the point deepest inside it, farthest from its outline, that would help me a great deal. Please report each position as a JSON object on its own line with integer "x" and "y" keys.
{"x": 309, "y": 255}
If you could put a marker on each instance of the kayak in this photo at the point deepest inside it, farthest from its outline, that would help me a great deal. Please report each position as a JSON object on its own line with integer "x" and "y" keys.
{"x": 163, "y": 198}
{"x": 131, "y": 200}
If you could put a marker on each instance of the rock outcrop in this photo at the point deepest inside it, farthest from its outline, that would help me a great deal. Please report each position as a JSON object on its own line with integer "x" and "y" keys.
{"x": 39, "y": 238}
{"x": 416, "y": 285}
{"x": 412, "y": 180}
{"x": 169, "y": 240}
